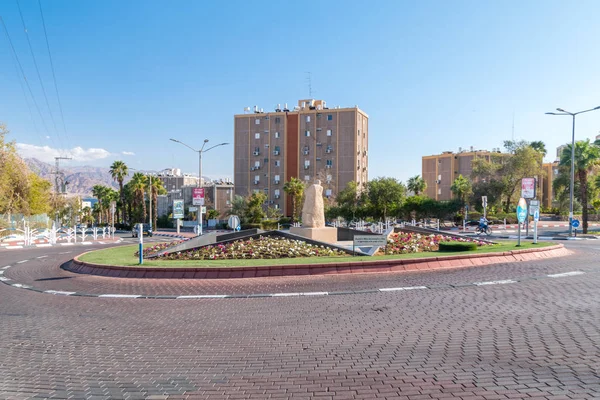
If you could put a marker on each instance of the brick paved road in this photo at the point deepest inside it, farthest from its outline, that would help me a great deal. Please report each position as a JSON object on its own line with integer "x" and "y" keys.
{"x": 530, "y": 339}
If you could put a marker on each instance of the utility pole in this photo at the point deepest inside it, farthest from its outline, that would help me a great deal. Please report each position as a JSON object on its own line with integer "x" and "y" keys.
{"x": 58, "y": 174}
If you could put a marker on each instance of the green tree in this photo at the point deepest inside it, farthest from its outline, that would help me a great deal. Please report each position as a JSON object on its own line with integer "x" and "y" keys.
{"x": 138, "y": 186}
{"x": 212, "y": 214}
{"x": 350, "y": 202}
{"x": 14, "y": 183}
{"x": 461, "y": 187}
{"x": 385, "y": 196}
{"x": 540, "y": 147}
{"x": 118, "y": 171}
{"x": 254, "y": 207}
{"x": 157, "y": 189}
{"x": 587, "y": 156}
{"x": 417, "y": 185}
{"x": 295, "y": 189}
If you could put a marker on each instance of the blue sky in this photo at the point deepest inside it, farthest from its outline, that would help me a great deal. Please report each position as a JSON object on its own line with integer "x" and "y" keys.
{"x": 432, "y": 75}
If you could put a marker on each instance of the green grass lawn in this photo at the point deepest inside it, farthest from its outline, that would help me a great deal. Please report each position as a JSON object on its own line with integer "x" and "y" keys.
{"x": 124, "y": 255}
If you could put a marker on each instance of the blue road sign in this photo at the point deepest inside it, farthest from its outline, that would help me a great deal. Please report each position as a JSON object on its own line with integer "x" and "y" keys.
{"x": 522, "y": 213}
{"x": 575, "y": 223}
{"x": 536, "y": 215}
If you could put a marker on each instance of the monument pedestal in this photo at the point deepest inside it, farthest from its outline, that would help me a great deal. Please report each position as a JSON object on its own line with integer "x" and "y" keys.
{"x": 325, "y": 234}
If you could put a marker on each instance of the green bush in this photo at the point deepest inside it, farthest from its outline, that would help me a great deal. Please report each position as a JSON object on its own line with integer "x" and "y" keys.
{"x": 285, "y": 220}
{"x": 268, "y": 225}
{"x": 250, "y": 226}
{"x": 458, "y": 246}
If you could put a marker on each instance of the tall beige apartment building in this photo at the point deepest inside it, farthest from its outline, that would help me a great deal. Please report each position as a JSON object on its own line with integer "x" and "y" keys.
{"x": 308, "y": 142}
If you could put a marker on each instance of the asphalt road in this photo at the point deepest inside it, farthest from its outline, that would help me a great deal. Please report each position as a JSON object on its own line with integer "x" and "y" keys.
{"x": 506, "y": 331}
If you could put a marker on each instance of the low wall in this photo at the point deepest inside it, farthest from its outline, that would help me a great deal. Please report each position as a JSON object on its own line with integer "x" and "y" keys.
{"x": 395, "y": 265}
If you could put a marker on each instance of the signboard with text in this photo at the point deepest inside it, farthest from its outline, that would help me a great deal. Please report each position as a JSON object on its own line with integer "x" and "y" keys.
{"x": 370, "y": 240}
{"x": 178, "y": 209}
{"x": 528, "y": 188}
{"x": 521, "y": 210}
{"x": 198, "y": 196}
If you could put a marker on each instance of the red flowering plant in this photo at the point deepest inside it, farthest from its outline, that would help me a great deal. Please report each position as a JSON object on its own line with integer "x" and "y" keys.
{"x": 261, "y": 248}
{"x": 402, "y": 243}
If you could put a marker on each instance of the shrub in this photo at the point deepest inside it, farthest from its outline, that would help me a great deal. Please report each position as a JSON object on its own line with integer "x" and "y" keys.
{"x": 268, "y": 225}
{"x": 250, "y": 226}
{"x": 457, "y": 246}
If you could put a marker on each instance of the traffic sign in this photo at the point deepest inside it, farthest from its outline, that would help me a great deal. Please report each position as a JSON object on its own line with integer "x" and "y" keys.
{"x": 536, "y": 215}
{"x": 484, "y": 201}
{"x": 575, "y": 223}
{"x": 193, "y": 209}
{"x": 234, "y": 222}
{"x": 528, "y": 188}
{"x": 522, "y": 210}
{"x": 533, "y": 206}
{"x": 198, "y": 196}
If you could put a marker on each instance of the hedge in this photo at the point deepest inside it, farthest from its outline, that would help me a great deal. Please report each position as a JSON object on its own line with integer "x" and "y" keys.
{"x": 457, "y": 246}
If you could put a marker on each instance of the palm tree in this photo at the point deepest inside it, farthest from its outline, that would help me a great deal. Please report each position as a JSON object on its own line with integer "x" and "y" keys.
{"x": 138, "y": 186}
{"x": 118, "y": 171}
{"x": 100, "y": 192}
{"x": 238, "y": 207}
{"x": 294, "y": 188}
{"x": 417, "y": 185}
{"x": 587, "y": 156}
{"x": 157, "y": 188}
{"x": 540, "y": 147}
{"x": 461, "y": 187}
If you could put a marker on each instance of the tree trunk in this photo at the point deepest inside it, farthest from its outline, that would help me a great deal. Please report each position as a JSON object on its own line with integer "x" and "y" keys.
{"x": 584, "y": 200}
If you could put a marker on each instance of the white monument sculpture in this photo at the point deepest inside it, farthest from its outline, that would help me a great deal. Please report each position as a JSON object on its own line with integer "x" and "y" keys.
{"x": 313, "y": 217}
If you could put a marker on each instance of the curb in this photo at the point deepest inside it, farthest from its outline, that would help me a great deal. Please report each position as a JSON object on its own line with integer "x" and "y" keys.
{"x": 9, "y": 247}
{"x": 380, "y": 266}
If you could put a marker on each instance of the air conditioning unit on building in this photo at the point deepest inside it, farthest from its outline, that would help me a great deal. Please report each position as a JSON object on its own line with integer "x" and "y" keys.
{"x": 277, "y": 196}
{"x": 256, "y": 182}
{"x": 328, "y": 166}
{"x": 306, "y": 166}
{"x": 328, "y": 151}
{"x": 276, "y": 181}
{"x": 256, "y": 153}
{"x": 305, "y": 152}
{"x": 252, "y": 168}
{"x": 275, "y": 152}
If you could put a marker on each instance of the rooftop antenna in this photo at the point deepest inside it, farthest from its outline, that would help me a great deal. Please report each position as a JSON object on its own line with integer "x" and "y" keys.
{"x": 513, "y": 127}
{"x": 309, "y": 79}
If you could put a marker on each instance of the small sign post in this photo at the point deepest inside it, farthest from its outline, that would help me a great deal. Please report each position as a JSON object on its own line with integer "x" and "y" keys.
{"x": 141, "y": 242}
{"x": 521, "y": 214}
{"x": 575, "y": 225}
{"x": 484, "y": 204}
{"x": 369, "y": 241}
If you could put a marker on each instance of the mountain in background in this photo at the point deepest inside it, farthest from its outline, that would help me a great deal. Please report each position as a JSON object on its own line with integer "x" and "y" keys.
{"x": 81, "y": 179}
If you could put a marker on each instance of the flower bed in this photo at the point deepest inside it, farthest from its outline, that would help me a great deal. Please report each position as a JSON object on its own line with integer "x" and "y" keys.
{"x": 261, "y": 248}
{"x": 402, "y": 243}
{"x": 159, "y": 247}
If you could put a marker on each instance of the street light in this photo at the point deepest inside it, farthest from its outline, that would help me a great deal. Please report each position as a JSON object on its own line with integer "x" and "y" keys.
{"x": 199, "y": 184}
{"x": 572, "y": 184}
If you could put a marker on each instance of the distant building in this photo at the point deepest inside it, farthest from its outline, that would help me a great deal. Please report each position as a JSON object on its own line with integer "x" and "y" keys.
{"x": 439, "y": 171}
{"x": 173, "y": 179}
{"x": 308, "y": 142}
{"x": 218, "y": 196}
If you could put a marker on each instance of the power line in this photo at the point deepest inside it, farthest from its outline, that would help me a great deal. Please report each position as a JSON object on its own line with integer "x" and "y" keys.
{"x": 38, "y": 72}
{"x": 35, "y": 127}
{"x": 24, "y": 77}
{"x": 62, "y": 116}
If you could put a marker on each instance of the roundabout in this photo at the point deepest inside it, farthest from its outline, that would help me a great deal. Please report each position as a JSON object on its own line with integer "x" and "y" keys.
{"x": 524, "y": 329}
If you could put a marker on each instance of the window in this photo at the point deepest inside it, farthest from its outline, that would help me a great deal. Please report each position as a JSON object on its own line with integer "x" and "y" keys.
{"x": 277, "y": 120}
{"x": 329, "y": 117}
{"x": 328, "y": 163}
{"x": 276, "y": 135}
{"x": 257, "y": 121}
{"x": 328, "y": 178}
{"x": 256, "y": 164}
{"x": 308, "y": 118}
{"x": 266, "y": 160}
{"x": 359, "y": 133}
{"x": 276, "y": 192}
{"x": 276, "y": 206}
{"x": 276, "y": 151}
{"x": 257, "y": 135}
{"x": 307, "y": 133}
{"x": 307, "y": 177}
{"x": 328, "y": 132}
{"x": 277, "y": 163}
{"x": 256, "y": 191}
{"x": 306, "y": 164}
{"x": 276, "y": 179}
{"x": 328, "y": 193}
{"x": 228, "y": 202}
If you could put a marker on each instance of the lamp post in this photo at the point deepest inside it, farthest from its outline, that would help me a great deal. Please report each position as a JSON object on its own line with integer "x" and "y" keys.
{"x": 199, "y": 184}
{"x": 572, "y": 183}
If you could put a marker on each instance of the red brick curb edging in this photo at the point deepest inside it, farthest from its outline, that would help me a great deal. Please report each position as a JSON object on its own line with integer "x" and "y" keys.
{"x": 415, "y": 264}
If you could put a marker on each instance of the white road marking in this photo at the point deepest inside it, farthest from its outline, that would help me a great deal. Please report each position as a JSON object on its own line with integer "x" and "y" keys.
{"x": 58, "y": 292}
{"x": 7, "y": 267}
{"x": 22, "y": 261}
{"x": 14, "y": 247}
{"x": 127, "y": 296}
{"x": 285, "y": 294}
{"x": 42, "y": 257}
{"x": 494, "y": 282}
{"x": 66, "y": 252}
{"x": 204, "y": 296}
{"x": 43, "y": 245}
{"x": 4, "y": 279}
{"x": 67, "y": 244}
{"x": 20, "y": 285}
{"x": 402, "y": 288}
{"x": 572, "y": 273}
{"x": 314, "y": 294}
